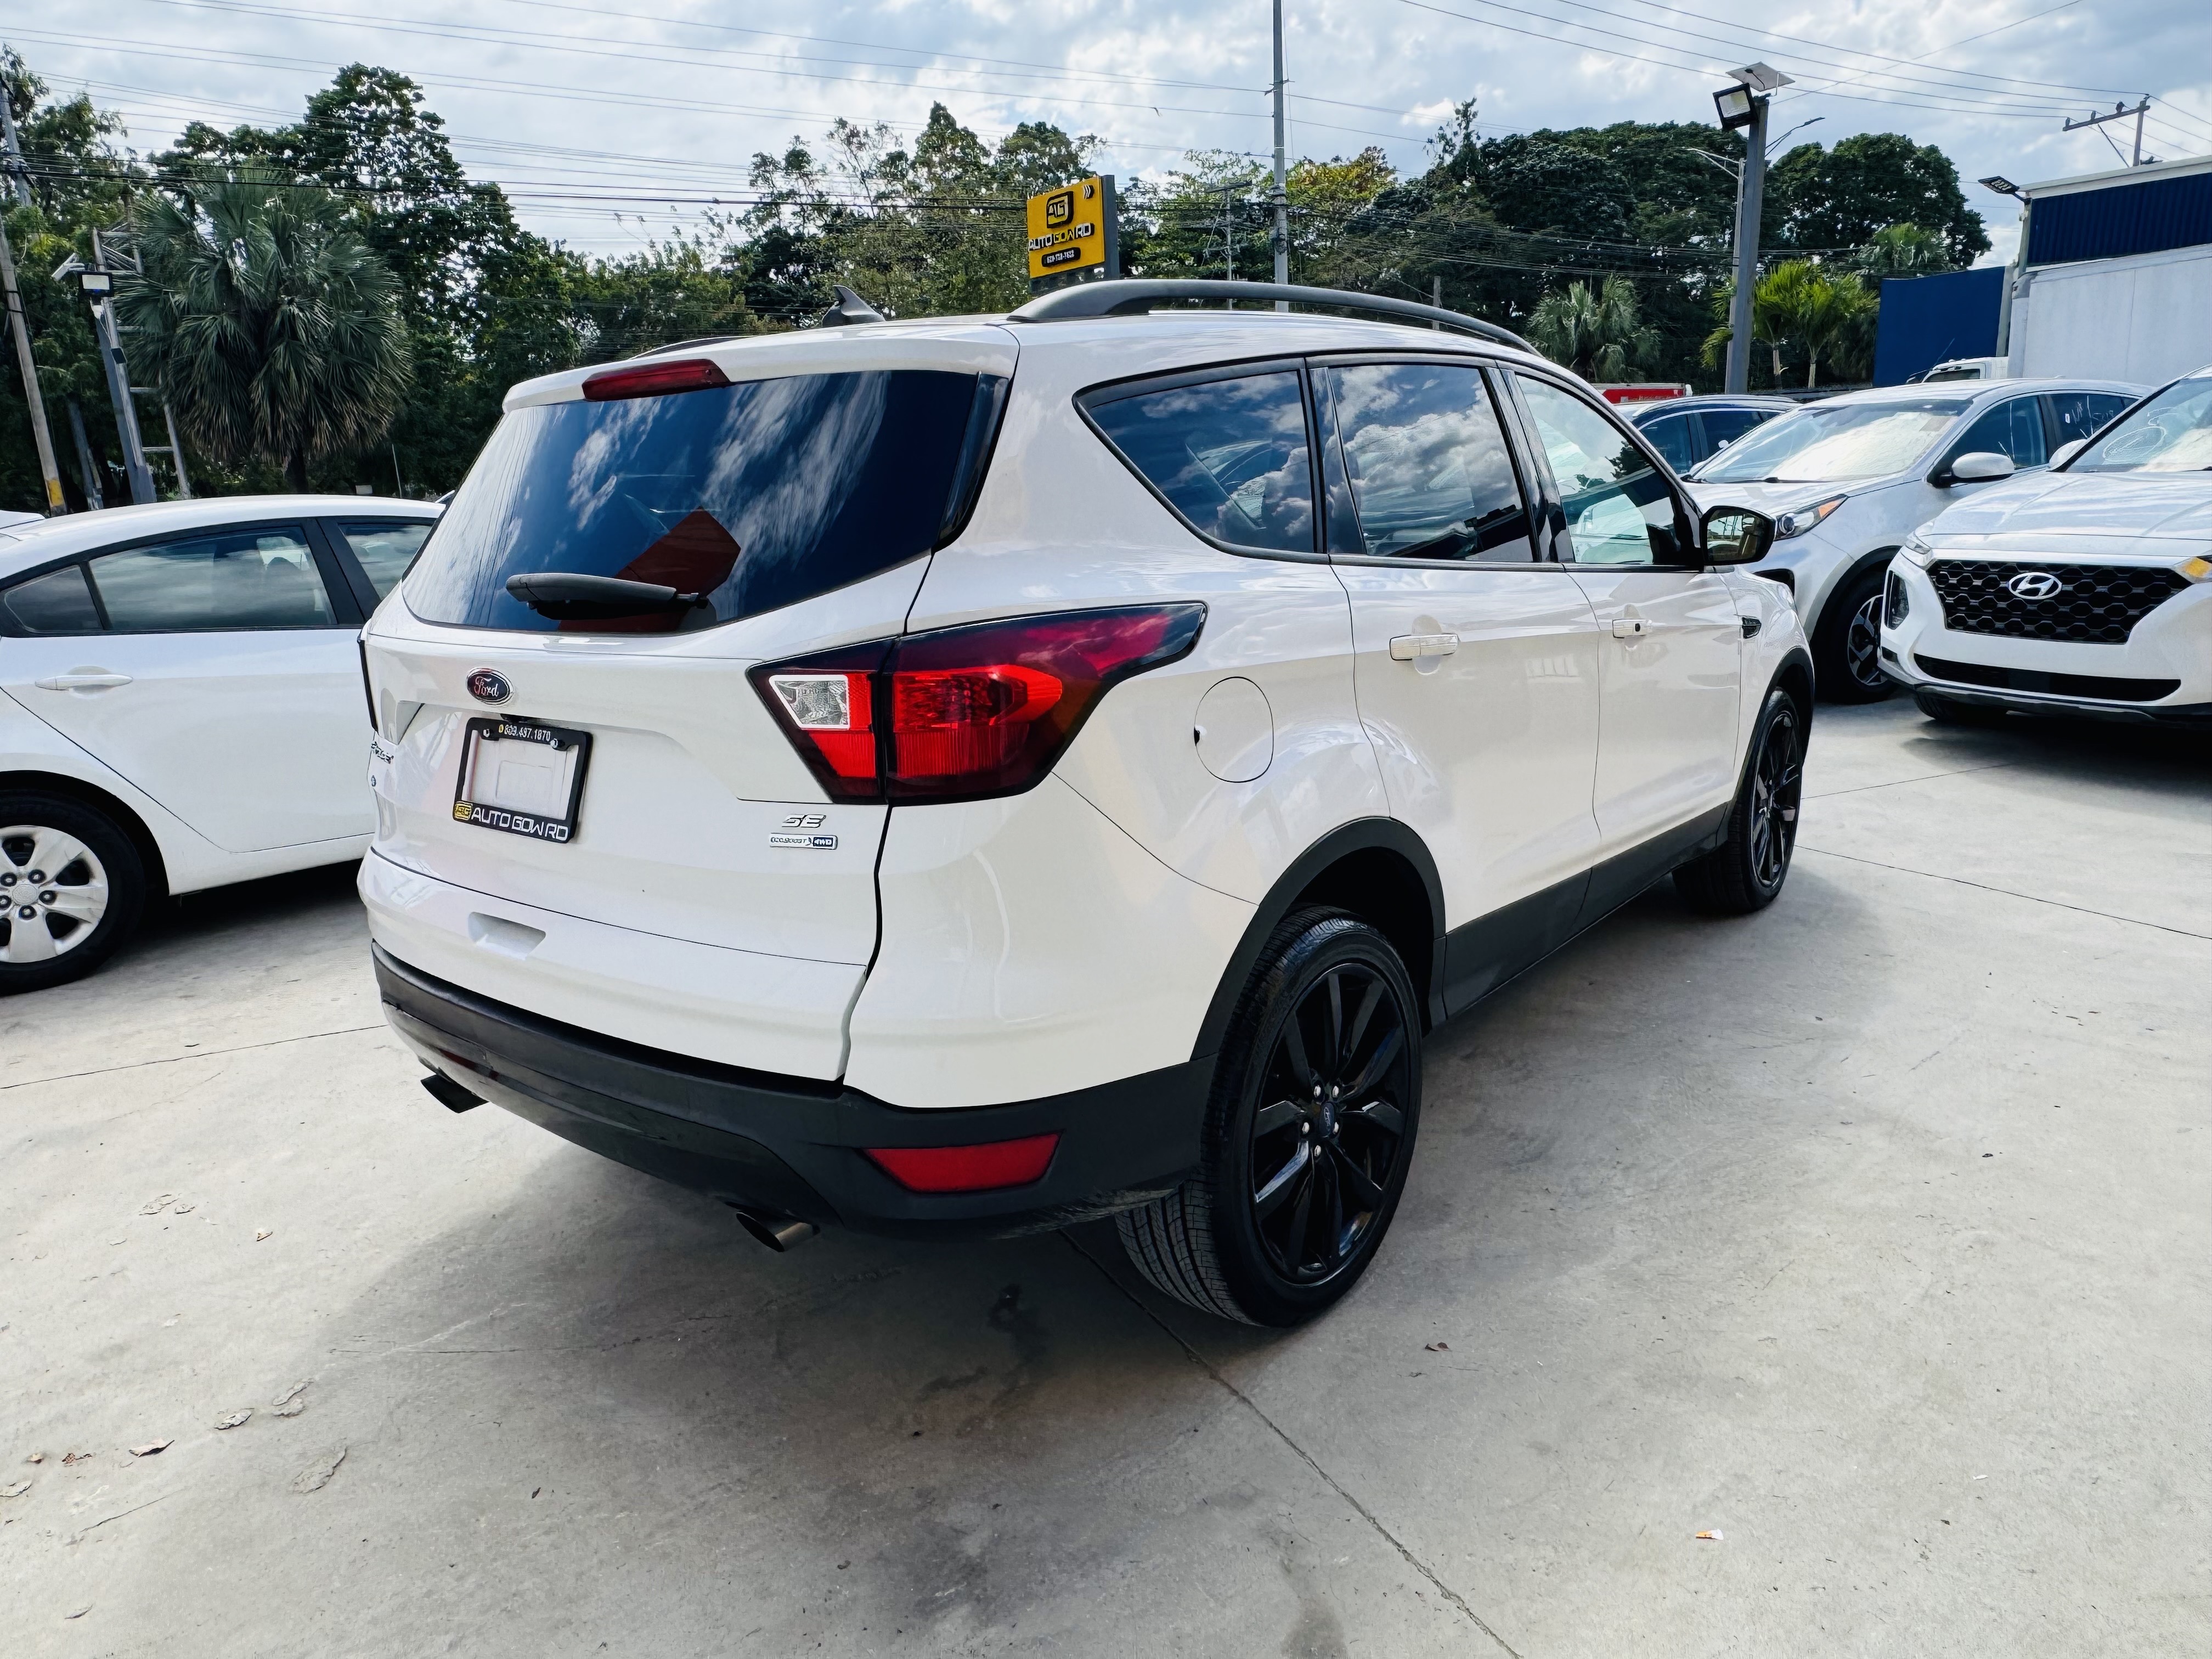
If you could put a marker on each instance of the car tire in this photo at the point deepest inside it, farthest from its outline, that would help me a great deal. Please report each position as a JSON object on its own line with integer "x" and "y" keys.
{"x": 1309, "y": 1128}
{"x": 63, "y": 923}
{"x": 1945, "y": 711}
{"x": 1847, "y": 652}
{"x": 1746, "y": 871}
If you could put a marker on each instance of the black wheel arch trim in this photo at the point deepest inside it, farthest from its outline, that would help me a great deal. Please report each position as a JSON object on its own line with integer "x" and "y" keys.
{"x": 1388, "y": 836}
{"x": 1875, "y": 559}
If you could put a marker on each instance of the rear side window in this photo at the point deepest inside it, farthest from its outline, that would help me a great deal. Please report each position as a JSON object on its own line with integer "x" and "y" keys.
{"x": 755, "y": 495}
{"x": 1673, "y": 439}
{"x": 384, "y": 548}
{"x": 56, "y": 603}
{"x": 236, "y": 578}
{"x": 1229, "y": 456}
{"x": 1725, "y": 426}
{"x": 2081, "y": 413}
{"x": 1431, "y": 475}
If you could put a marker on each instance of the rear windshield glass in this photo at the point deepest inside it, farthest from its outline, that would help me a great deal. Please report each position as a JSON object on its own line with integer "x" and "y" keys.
{"x": 754, "y": 495}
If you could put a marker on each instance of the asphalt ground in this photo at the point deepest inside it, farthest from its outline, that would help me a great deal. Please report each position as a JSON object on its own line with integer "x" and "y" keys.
{"x": 1869, "y": 1235}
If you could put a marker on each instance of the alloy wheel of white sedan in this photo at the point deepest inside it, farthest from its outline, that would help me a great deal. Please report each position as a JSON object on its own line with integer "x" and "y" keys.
{"x": 56, "y": 890}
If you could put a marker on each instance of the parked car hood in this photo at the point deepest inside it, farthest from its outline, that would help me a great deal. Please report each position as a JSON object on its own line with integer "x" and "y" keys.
{"x": 2102, "y": 511}
{"x": 1775, "y": 498}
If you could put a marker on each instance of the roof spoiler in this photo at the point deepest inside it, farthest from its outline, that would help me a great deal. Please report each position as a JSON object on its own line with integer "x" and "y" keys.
{"x": 1128, "y": 296}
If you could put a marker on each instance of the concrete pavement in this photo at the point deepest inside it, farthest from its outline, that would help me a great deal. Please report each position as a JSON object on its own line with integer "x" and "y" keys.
{"x": 1870, "y": 1234}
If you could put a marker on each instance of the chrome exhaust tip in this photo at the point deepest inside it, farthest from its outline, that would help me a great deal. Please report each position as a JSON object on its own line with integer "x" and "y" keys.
{"x": 779, "y": 1233}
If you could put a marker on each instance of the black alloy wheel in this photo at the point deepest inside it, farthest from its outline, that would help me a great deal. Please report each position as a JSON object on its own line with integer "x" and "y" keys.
{"x": 1849, "y": 649}
{"x": 1745, "y": 871}
{"x": 1325, "y": 1146}
{"x": 1778, "y": 780}
{"x": 1315, "y": 1110}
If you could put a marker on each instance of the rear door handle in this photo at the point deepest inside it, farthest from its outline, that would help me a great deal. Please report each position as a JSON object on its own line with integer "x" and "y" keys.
{"x": 1411, "y": 648}
{"x": 95, "y": 682}
{"x": 1630, "y": 627}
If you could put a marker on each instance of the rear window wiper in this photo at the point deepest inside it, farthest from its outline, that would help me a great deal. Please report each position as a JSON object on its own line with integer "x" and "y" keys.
{"x": 571, "y": 596}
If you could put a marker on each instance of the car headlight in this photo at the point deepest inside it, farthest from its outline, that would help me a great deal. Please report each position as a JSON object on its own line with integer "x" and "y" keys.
{"x": 1798, "y": 520}
{"x": 2196, "y": 570}
{"x": 1916, "y": 549}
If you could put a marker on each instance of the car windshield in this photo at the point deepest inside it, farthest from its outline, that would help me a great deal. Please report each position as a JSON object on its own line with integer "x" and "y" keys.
{"x": 1832, "y": 441}
{"x": 2171, "y": 433}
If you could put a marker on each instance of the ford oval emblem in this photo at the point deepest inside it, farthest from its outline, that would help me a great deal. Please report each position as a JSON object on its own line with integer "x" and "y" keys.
{"x": 2035, "y": 585}
{"x": 488, "y": 685}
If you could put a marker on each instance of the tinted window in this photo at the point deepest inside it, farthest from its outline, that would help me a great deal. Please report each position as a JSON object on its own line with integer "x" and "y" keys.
{"x": 1725, "y": 426}
{"x": 234, "y": 579}
{"x": 385, "y": 547}
{"x": 2012, "y": 428}
{"x": 1431, "y": 474}
{"x": 2081, "y": 413}
{"x": 56, "y": 603}
{"x": 1673, "y": 439}
{"x": 1229, "y": 455}
{"x": 1619, "y": 508}
{"x": 753, "y": 495}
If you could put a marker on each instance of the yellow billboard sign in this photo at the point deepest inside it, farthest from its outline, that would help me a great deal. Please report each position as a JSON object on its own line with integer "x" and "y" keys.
{"x": 1073, "y": 231}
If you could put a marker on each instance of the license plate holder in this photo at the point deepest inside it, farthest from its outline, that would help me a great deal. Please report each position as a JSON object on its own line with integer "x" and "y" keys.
{"x": 533, "y": 788}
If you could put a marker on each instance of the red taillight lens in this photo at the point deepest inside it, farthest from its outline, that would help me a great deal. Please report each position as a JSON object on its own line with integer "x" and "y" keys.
{"x": 654, "y": 380}
{"x": 967, "y": 1168}
{"x": 966, "y": 711}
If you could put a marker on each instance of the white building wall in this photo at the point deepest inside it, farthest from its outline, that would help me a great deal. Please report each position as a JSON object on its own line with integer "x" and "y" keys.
{"x": 2146, "y": 318}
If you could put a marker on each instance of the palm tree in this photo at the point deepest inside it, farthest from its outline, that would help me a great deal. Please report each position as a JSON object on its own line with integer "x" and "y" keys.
{"x": 270, "y": 327}
{"x": 1799, "y": 301}
{"x": 1596, "y": 333}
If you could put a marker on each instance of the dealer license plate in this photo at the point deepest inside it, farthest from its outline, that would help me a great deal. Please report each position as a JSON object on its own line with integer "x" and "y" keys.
{"x": 521, "y": 777}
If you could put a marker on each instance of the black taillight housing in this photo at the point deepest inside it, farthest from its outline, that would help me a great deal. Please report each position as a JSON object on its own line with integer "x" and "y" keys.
{"x": 964, "y": 714}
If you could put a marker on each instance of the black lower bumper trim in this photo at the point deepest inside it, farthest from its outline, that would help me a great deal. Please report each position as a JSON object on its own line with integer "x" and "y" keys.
{"x": 791, "y": 1146}
{"x": 2109, "y": 687}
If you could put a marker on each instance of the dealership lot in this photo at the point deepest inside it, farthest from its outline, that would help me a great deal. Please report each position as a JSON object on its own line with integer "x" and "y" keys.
{"x": 1869, "y": 1233}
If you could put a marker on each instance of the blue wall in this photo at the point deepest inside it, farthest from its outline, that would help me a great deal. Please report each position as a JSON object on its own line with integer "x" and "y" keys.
{"x": 1926, "y": 320}
{"x": 2120, "y": 219}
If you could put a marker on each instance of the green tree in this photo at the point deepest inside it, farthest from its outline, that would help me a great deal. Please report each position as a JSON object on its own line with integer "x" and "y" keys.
{"x": 1592, "y": 330}
{"x": 1803, "y": 305}
{"x": 1904, "y": 250}
{"x": 1829, "y": 200}
{"x": 267, "y": 323}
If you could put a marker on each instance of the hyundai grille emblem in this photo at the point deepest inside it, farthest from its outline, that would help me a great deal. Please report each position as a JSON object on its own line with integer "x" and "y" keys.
{"x": 2035, "y": 585}
{"x": 488, "y": 685}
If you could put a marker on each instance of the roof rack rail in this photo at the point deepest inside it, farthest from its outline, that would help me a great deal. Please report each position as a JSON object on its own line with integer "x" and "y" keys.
{"x": 1130, "y": 296}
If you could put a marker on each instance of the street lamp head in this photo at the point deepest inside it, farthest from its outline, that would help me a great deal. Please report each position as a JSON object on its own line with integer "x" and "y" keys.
{"x": 95, "y": 284}
{"x": 1736, "y": 105}
{"x": 1999, "y": 183}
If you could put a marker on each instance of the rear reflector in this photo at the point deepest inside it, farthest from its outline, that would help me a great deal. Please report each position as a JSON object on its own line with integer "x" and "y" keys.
{"x": 654, "y": 380}
{"x": 964, "y": 713}
{"x": 967, "y": 1168}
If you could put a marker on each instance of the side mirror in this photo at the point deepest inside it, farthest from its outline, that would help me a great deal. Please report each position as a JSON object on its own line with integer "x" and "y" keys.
{"x": 1978, "y": 466}
{"x": 2067, "y": 451}
{"x": 1737, "y": 535}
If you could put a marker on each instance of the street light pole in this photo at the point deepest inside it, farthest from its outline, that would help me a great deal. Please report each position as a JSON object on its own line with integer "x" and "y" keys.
{"x": 1743, "y": 106}
{"x": 1282, "y": 192}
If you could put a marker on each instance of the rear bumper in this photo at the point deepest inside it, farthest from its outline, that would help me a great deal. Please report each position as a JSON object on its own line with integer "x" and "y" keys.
{"x": 790, "y": 1146}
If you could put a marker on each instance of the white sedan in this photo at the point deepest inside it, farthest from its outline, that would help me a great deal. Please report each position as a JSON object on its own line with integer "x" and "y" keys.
{"x": 183, "y": 707}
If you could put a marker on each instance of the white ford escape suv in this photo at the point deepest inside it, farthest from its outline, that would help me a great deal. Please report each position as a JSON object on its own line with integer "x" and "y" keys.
{"x": 958, "y": 778}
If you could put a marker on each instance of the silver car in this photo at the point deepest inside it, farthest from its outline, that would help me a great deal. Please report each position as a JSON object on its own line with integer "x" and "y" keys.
{"x": 1847, "y": 479}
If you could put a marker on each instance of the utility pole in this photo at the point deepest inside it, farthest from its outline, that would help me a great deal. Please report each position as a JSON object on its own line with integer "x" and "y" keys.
{"x": 20, "y": 326}
{"x": 1744, "y": 105}
{"x": 2119, "y": 112}
{"x": 1282, "y": 177}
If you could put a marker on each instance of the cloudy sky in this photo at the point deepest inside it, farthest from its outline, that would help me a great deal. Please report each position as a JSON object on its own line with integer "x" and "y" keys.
{"x": 615, "y": 121}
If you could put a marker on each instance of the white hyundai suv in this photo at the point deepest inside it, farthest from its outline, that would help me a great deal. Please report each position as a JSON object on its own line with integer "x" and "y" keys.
{"x": 957, "y": 778}
{"x": 2086, "y": 590}
{"x": 1847, "y": 479}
